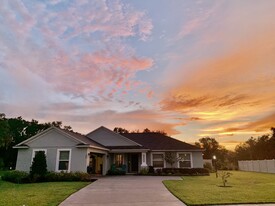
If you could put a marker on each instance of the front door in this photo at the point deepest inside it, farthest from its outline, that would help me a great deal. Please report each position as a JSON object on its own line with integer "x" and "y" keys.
{"x": 133, "y": 162}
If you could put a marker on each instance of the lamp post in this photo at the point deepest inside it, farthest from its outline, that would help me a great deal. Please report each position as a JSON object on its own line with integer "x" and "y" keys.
{"x": 215, "y": 165}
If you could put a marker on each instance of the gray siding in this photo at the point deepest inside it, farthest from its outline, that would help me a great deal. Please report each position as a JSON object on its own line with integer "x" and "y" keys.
{"x": 23, "y": 162}
{"x": 197, "y": 159}
{"x": 52, "y": 141}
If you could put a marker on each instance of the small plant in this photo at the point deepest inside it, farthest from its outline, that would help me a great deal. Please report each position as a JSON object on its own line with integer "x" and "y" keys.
{"x": 225, "y": 175}
{"x": 144, "y": 171}
{"x": 208, "y": 166}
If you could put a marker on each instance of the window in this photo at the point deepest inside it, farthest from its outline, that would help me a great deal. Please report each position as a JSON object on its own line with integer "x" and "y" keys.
{"x": 63, "y": 160}
{"x": 184, "y": 160}
{"x": 158, "y": 160}
{"x": 34, "y": 152}
{"x": 119, "y": 160}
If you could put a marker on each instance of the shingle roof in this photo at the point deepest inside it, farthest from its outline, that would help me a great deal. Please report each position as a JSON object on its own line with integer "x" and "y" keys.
{"x": 156, "y": 141}
{"x": 83, "y": 138}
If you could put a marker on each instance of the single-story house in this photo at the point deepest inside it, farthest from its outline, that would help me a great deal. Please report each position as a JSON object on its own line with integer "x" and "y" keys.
{"x": 102, "y": 149}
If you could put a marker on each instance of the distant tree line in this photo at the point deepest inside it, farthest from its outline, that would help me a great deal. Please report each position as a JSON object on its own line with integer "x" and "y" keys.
{"x": 16, "y": 130}
{"x": 121, "y": 130}
{"x": 259, "y": 148}
{"x": 225, "y": 159}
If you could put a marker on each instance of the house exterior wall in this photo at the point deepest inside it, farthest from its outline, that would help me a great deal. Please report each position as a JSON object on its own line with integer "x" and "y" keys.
{"x": 77, "y": 162}
{"x": 23, "y": 162}
{"x": 197, "y": 159}
{"x": 53, "y": 141}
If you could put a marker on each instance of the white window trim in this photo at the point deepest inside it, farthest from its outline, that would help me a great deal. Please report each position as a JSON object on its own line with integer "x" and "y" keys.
{"x": 191, "y": 159}
{"x": 37, "y": 150}
{"x": 57, "y": 159}
{"x": 164, "y": 162}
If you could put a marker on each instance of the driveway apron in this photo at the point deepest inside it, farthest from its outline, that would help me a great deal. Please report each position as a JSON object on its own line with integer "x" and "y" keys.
{"x": 125, "y": 190}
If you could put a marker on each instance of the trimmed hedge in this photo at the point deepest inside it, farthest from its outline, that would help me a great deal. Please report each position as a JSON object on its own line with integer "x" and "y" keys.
{"x": 24, "y": 177}
{"x": 180, "y": 171}
{"x": 67, "y": 177}
{"x": 116, "y": 172}
{"x": 16, "y": 177}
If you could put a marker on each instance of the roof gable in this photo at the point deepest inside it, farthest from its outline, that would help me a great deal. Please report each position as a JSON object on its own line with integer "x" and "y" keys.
{"x": 156, "y": 141}
{"x": 108, "y": 138}
{"x": 54, "y": 136}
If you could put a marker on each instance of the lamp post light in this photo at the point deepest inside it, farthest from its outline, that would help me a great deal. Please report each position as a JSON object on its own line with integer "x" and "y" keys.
{"x": 215, "y": 165}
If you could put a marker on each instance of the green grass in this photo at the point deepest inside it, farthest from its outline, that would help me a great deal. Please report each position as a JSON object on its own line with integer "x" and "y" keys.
{"x": 244, "y": 187}
{"x": 42, "y": 194}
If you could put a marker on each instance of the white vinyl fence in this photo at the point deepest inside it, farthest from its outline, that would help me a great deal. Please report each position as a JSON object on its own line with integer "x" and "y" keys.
{"x": 267, "y": 166}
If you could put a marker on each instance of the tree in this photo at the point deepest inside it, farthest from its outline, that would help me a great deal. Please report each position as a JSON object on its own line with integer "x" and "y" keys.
{"x": 39, "y": 165}
{"x": 210, "y": 145}
{"x": 5, "y": 137}
{"x": 259, "y": 148}
{"x": 171, "y": 158}
{"x": 224, "y": 158}
{"x": 120, "y": 130}
{"x": 16, "y": 130}
{"x": 146, "y": 130}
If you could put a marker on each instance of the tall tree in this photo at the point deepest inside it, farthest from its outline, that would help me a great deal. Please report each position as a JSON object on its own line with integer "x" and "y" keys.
{"x": 210, "y": 145}
{"x": 120, "y": 130}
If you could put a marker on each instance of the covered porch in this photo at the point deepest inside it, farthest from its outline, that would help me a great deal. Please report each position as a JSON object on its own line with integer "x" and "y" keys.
{"x": 128, "y": 161}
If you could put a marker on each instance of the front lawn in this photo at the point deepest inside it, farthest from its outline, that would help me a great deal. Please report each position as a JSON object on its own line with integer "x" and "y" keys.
{"x": 244, "y": 187}
{"x": 42, "y": 194}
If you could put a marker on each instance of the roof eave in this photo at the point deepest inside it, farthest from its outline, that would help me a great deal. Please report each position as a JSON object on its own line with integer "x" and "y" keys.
{"x": 128, "y": 150}
{"x": 20, "y": 147}
{"x": 91, "y": 146}
{"x": 177, "y": 150}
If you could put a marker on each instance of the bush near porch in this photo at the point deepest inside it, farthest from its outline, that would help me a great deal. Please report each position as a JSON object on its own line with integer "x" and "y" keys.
{"x": 177, "y": 171}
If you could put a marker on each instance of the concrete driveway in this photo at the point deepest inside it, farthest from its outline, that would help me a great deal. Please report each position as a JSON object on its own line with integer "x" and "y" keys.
{"x": 125, "y": 190}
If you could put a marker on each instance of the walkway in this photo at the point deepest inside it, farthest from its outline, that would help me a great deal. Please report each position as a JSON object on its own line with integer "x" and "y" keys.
{"x": 125, "y": 191}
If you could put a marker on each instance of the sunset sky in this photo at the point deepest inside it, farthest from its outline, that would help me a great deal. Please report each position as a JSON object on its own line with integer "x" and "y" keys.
{"x": 191, "y": 68}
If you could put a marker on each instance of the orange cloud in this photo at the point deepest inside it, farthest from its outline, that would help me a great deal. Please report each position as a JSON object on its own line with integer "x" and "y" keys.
{"x": 261, "y": 125}
{"x": 236, "y": 87}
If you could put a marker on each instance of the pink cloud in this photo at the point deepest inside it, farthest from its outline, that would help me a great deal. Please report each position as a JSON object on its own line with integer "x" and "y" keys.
{"x": 198, "y": 20}
{"x": 103, "y": 65}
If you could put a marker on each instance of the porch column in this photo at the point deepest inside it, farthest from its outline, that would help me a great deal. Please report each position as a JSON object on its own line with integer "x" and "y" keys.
{"x": 143, "y": 159}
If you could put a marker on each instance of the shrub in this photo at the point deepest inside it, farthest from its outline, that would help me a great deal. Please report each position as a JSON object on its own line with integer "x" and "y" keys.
{"x": 39, "y": 166}
{"x": 208, "y": 166}
{"x": 144, "y": 171}
{"x": 16, "y": 177}
{"x": 67, "y": 177}
{"x": 24, "y": 177}
{"x": 2, "y": 165}
{"x": 151, "y": 170}
{"x": 116, "y": 172}
{"x": 185, "y": 171}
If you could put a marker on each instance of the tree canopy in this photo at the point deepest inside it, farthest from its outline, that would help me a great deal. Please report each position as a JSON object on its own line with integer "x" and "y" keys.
{"x": 16, "y": 130}
{"x": 259, "y": 148}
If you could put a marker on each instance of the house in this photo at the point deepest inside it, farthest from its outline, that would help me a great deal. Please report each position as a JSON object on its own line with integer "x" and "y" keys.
{"x": 102, "y": 149}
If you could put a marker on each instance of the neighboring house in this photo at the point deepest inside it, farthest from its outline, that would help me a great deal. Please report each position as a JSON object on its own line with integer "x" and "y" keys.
{"x": 102, "y": 149}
